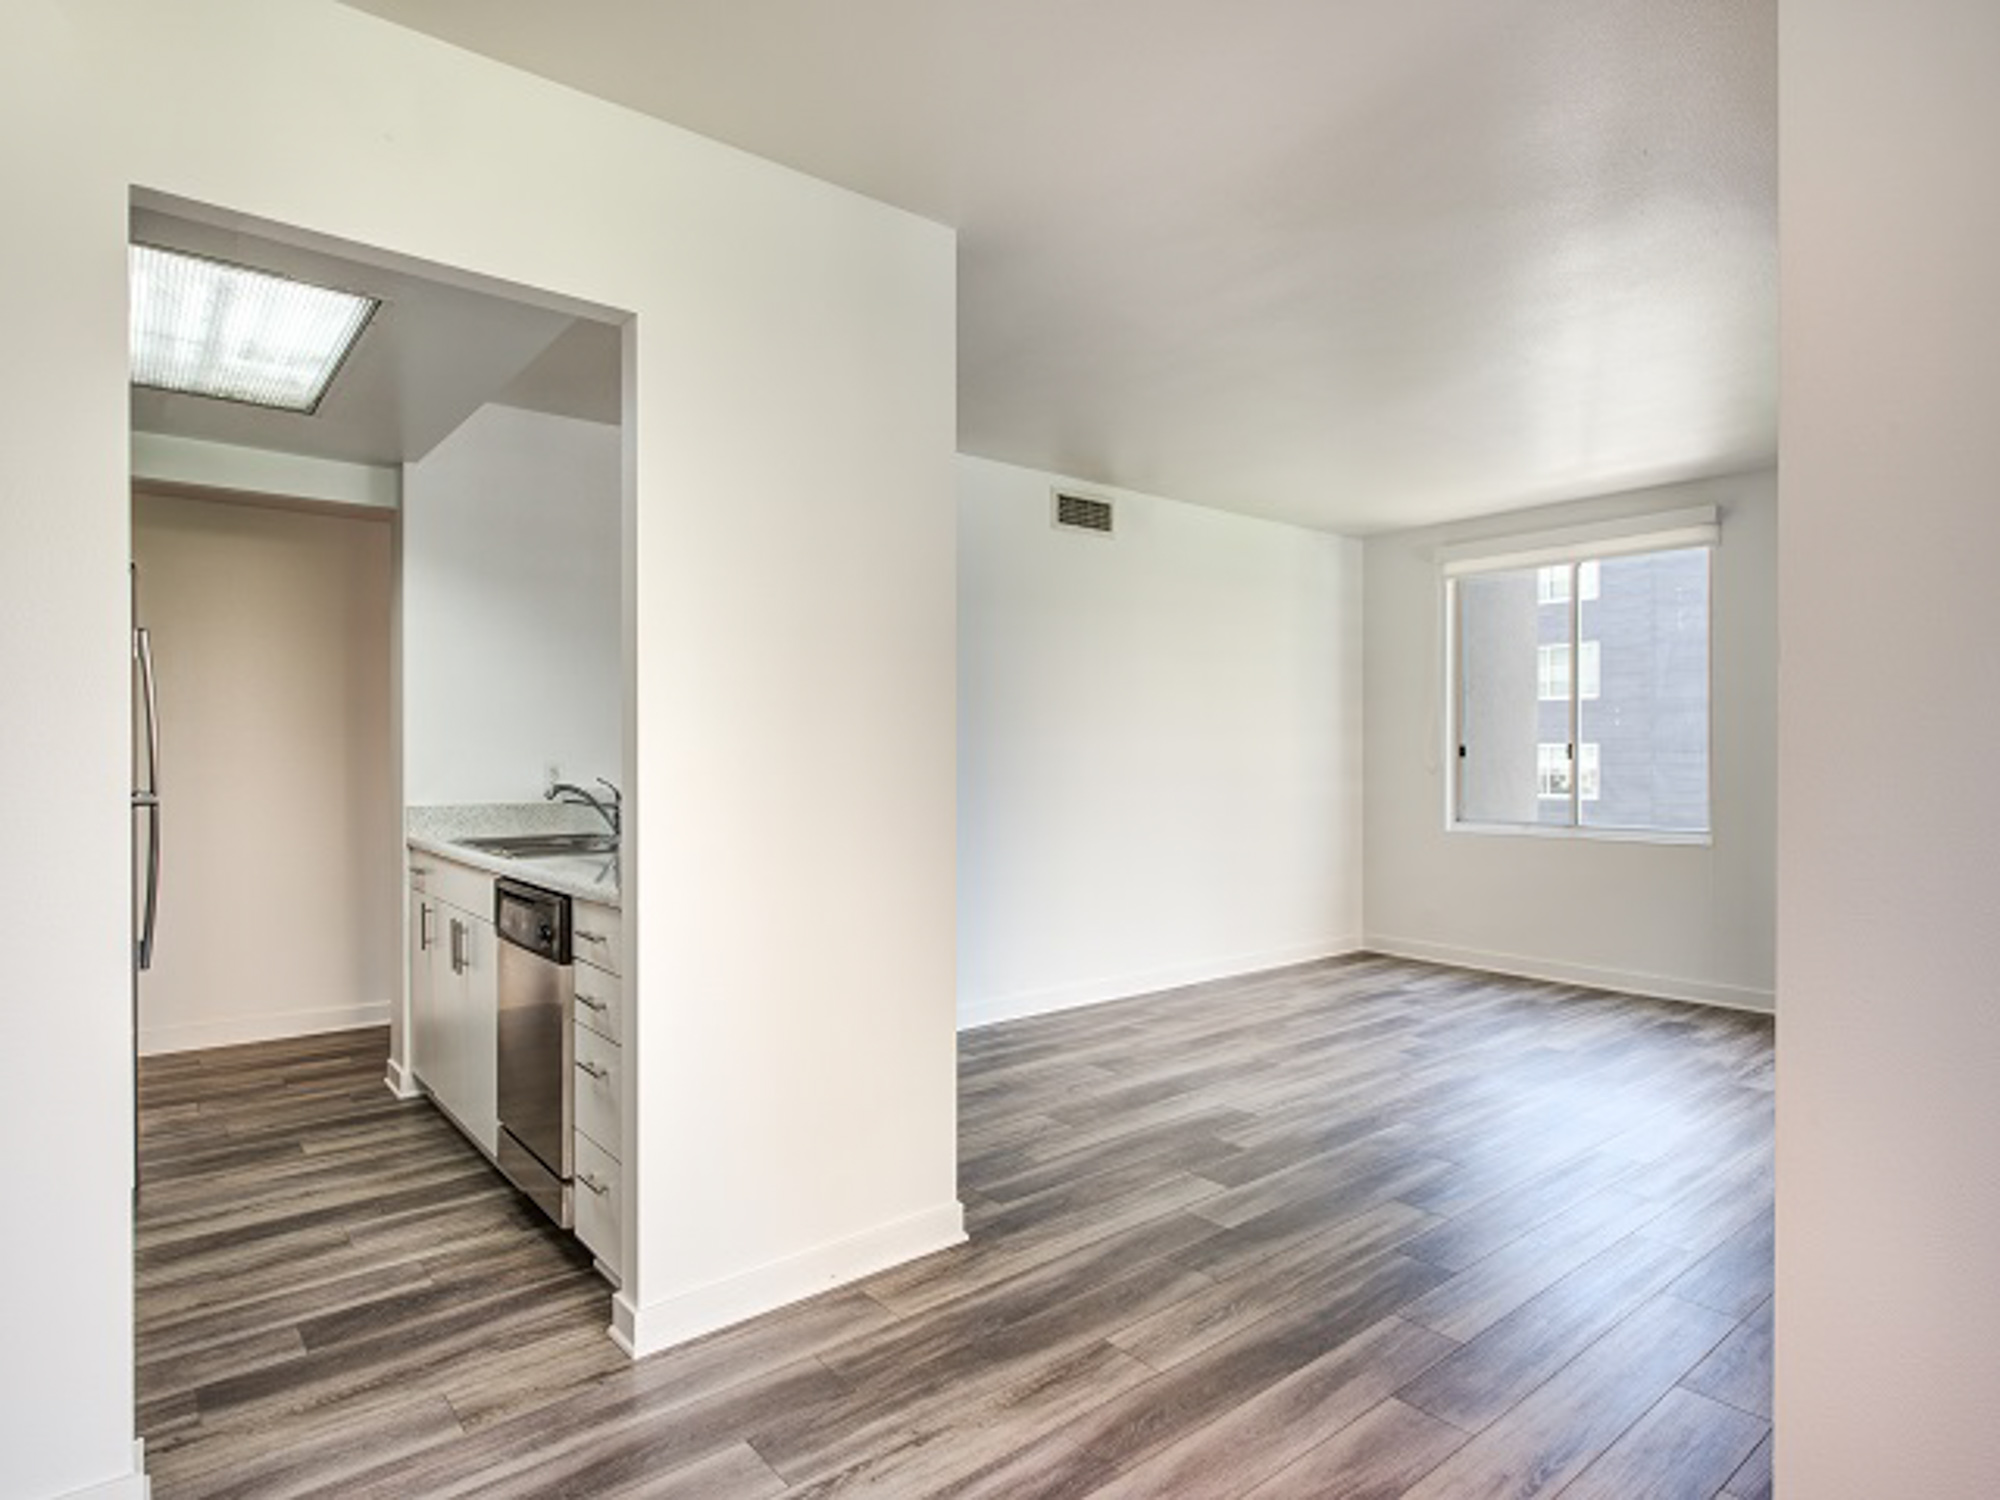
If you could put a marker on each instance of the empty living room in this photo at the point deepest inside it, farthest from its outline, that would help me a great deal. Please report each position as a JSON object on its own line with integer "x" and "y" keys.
{"x": 1054, "y": 751}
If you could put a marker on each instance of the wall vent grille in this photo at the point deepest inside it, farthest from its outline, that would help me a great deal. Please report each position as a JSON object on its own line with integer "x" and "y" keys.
{"x": 1083, "y": 513}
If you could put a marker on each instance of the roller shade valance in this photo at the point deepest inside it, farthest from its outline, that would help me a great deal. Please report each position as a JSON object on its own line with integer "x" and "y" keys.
{"x": 1658, "y": 531}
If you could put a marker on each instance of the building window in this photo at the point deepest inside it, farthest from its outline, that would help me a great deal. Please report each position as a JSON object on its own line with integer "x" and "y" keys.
{"x": 1552, "y": 771}
{"x": 1552, "y": 583}
{"x": 1552, "y": 671}
{"x": 1636, "y": 709}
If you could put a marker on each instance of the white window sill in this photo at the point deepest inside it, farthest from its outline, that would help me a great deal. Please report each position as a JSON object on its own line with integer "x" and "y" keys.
{"x": 1701, "y": 840}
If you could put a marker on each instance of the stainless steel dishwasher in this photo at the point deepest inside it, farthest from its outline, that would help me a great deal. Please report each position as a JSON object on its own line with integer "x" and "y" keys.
{"x": 537, "y": 1044}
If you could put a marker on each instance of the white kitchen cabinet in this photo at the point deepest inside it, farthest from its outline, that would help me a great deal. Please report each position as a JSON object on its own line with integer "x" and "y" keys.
{"x": 425, "y": 1035}
{"x": 600, "y": 1001}
{"x": 454, "y": 977}
{"x": 473, "y": 1024}
{"x": 599, "y": 933}
{"x": 600, "y": 1202}
{"x": 600, "y": 1081}
{"x": 599, "y": 1088}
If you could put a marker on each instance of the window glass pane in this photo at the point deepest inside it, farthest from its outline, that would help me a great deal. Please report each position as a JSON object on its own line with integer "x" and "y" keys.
{"x": 1588, "y": 678}
{"x": 1503, "y": 721}
{"x": 1552, "y": 584}
{"x": 1648, "y": 720}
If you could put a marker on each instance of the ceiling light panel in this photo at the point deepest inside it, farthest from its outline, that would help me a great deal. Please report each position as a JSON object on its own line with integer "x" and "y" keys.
{"x": 213, "y": 329}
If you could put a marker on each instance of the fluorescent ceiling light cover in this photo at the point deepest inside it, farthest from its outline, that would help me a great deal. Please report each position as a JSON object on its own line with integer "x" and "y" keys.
{"x": 213, "y": 329}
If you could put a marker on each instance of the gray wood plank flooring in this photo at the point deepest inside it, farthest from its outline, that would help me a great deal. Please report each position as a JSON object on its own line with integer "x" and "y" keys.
{"x": 1362, "y": 1228}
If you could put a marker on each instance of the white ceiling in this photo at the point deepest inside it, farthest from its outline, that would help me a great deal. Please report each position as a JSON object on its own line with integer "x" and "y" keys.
{"x": 1358, "y": 265}
{"x": 433, "y": 354}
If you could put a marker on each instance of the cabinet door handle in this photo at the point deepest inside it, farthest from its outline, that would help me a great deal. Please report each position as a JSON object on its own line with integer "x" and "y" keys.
{"x": 595, "y": 1070}
{"x": 589, "y": 1002}
{"x": 599, "y": 1188}
{"x": 457, "y": 946}
{"x": 424, "y": 915}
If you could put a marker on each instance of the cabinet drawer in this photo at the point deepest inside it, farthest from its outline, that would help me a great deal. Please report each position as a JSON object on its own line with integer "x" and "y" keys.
{"x": 599, "y": 1196}
{"x": 599, "y": 1089}
{"x": 469, "y": 890}
{"x": 600, "y": 1002}
{"x": 600, "y": 937}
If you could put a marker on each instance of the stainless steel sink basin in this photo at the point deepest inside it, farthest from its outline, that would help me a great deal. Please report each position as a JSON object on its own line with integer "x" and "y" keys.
{"x": 543, "y": 845}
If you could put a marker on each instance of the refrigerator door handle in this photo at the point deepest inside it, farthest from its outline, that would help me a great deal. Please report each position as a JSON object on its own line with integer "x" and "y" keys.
{"x": 152, "y": 909}
{"x": 142, "y": 651}
{"x": 148, "y": 796}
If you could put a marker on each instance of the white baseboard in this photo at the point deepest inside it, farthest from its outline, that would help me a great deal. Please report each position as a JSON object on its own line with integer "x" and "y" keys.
{"x": 1629, "y": 982}
{"x": 269, "y": 1026}
{"x": 401, "y": 1082}
{"x": 988, "y": 1010}
{"x": 646, "y": 1329}
{"x": 132, "y": 1486}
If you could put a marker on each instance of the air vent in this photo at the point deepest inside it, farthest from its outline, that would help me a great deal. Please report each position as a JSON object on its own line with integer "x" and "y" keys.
{"x": 1082, "y": 513}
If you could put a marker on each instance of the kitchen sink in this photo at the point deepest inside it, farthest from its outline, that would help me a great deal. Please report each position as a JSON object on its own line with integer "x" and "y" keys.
{"x": 543, "y": 845}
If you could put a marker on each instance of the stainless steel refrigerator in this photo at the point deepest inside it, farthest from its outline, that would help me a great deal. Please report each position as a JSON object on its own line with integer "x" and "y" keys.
{"x": 145, "y": 831}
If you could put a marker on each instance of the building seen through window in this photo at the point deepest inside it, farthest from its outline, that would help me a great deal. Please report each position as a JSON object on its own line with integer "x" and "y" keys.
{"x": 1620, "y": 743}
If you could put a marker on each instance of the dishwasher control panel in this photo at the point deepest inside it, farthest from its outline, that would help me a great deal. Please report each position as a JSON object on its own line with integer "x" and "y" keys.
{"x": 532, "y": 918}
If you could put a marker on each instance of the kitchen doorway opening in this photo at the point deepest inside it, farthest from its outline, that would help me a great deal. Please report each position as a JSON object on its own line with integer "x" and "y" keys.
{"x": 410, "y": 597}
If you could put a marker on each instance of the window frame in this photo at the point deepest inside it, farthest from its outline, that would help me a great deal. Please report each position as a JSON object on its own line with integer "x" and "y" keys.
{"x": 1690, "y": 530}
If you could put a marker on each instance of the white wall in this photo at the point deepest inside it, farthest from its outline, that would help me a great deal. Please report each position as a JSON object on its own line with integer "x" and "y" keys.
{"x": 1684, "y": 921}
{"x": 513, "y": 653}
{"x": 65, "y": 768}
{"x": 1159, "y": 773}
{"x": 789, "y": 573}
{"x": 1889, "y": 831}
{"x": 279, "y": 911}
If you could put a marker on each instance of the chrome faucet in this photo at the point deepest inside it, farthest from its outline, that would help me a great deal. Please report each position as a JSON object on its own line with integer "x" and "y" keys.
{"x": 613, "y": 813}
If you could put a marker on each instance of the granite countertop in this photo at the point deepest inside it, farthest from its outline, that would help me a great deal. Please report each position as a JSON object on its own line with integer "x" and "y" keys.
{"x": 587, "y": 877}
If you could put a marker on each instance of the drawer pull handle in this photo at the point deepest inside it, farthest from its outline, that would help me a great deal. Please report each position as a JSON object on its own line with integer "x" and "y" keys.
{"x": 599, "y": 1188}
{"x": 595, "y": 1070}
{"x": 591, "y": 937}
{"x": 591, "y": 1003}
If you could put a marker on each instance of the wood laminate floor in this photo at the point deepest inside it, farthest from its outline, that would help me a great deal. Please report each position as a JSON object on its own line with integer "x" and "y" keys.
{"x": 1365, "y": 1228}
